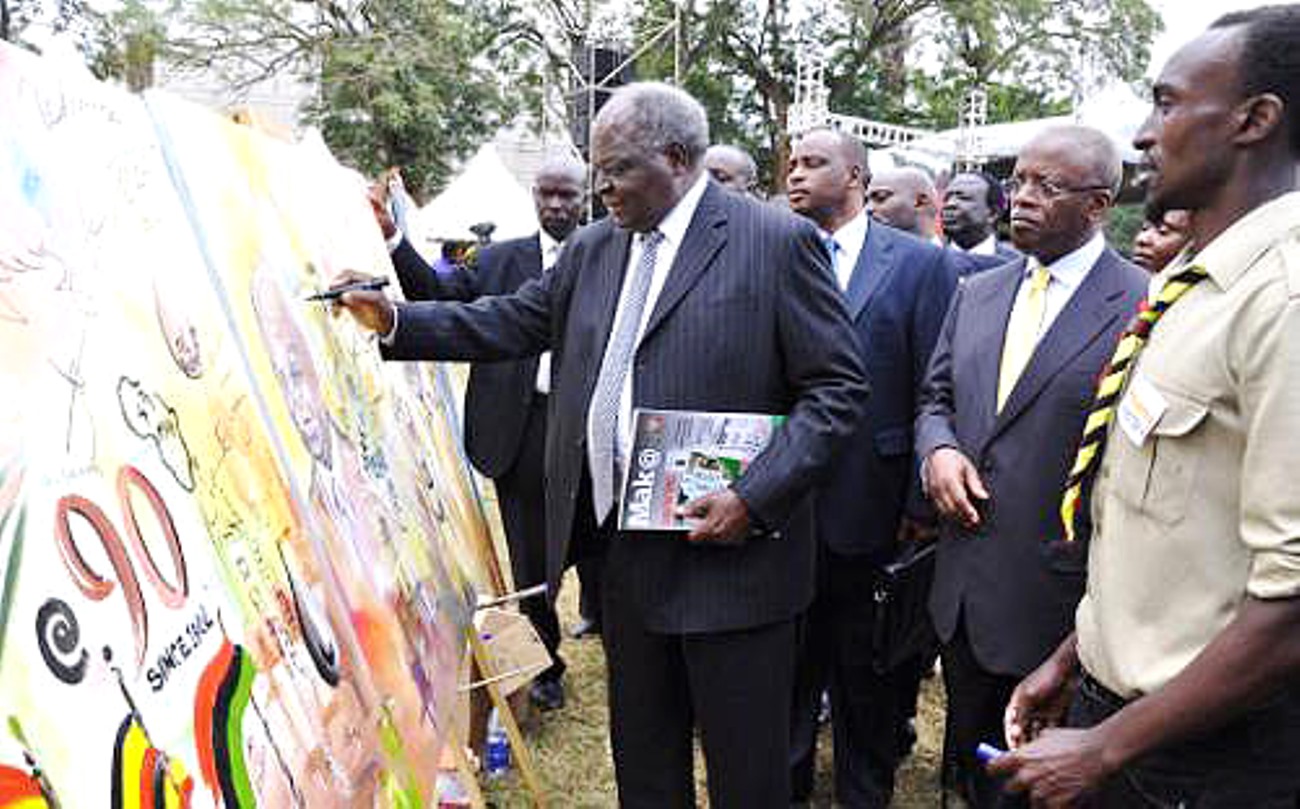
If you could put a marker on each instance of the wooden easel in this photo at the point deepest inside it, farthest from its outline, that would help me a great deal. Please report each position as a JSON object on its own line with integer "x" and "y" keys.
{"x": 489, "y": 678}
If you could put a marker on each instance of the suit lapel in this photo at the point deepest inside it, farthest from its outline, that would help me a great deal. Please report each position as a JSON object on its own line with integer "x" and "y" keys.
{"x": 1088, "y": 312}
{"x": 704, "y": 237}
{"x": 992, "y": 310}
{"x": 608, "y": 281}
{"x": 530, "y": 255}
{"x": 874, "y": 267}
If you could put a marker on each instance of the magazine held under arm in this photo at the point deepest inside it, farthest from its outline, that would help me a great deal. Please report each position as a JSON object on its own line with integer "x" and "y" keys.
{"x": 679, "y": 455}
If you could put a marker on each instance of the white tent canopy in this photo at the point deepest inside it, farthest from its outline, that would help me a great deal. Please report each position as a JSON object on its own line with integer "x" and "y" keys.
{"x": 484, "y": 191}
{"x": 1115, "y": 110}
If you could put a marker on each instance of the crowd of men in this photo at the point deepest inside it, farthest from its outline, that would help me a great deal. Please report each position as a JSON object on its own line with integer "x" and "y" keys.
{"x": 1098, "y": 451}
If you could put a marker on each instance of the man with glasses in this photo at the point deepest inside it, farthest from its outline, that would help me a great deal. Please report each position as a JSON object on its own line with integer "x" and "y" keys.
{"x": 1001, "y": 410}
{"x": 1183, "y": 675}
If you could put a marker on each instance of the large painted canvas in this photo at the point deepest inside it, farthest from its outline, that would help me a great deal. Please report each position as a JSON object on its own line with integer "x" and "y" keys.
{"x": 236, "y": 560}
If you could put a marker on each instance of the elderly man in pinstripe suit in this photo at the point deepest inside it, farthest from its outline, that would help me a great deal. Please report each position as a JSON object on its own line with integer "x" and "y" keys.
{"x": 689, "y": 298}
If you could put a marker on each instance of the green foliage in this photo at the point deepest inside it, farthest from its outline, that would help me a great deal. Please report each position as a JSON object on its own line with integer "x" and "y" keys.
{"x": 412, "y": 83}
{"x": 901, "y": 61}
{"x": 1048, "y": 50}
{"x": 1122, "y": 227}
{"x": 123, "y": 44}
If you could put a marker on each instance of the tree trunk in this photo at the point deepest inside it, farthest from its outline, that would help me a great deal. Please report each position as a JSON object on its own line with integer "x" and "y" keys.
{"x": 4, "y": 20}
{"x": 780, "y": 147}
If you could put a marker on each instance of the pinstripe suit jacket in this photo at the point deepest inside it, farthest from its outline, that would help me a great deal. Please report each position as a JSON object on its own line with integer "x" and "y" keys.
{"x": 749, "y": 319}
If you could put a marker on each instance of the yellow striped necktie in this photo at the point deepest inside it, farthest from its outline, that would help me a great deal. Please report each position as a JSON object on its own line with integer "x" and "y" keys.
{"x": 1113, "y": 377}
{"x": 1022, "y": 333}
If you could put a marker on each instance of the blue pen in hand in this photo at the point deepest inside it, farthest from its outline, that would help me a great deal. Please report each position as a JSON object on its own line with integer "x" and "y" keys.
{"x": 986, "y": 752}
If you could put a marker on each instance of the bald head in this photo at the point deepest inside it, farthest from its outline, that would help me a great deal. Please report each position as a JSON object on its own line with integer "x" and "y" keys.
{"x": 827, "y": 177}
{"x": 1094, "y": 152}
{"x": 1065, "y": 180}
{"x": 851, "y": 150}
{"x": 558, "y": 194}
{"x": 731, "y": 166}
{"x": 562, "y": 167}
{"x": 904, "y": 198}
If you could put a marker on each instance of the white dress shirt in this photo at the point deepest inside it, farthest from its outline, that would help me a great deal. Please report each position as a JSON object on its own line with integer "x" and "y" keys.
{"x": 988, "y": 247}
{"x": 550, "y": 253}
{"x": 1067, "y": 272}
{"x": 849, "y": 239}
{"x": 673, "y": 227}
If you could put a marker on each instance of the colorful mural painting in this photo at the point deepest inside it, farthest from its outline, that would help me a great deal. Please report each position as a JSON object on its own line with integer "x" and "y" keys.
{"x": 238, "y": 553}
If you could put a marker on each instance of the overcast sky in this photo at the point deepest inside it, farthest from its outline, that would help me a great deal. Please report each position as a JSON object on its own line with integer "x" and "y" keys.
{"x": 1184, "y": 19}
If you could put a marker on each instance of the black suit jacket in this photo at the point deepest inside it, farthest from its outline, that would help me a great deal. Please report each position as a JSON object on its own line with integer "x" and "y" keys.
{"x": 749, "y": 319}
{"x": 1013, "y": 578}
{"x": 499, "y": 394}
{"x": 897, "y": 296}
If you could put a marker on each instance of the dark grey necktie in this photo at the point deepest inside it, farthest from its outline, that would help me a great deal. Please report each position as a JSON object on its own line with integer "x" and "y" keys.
{"x": 614, "y": 367}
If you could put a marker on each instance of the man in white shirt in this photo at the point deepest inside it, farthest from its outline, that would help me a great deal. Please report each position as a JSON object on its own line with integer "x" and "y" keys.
{"x": 870, "y": 508}
{"x": 686, "y": 297}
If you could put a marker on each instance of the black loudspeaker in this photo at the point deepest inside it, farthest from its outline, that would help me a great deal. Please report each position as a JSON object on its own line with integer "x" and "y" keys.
{"x": 597, "y": 66}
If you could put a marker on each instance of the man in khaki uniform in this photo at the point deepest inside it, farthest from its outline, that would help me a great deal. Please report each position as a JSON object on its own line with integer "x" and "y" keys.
{"x": 1185, "y": 663}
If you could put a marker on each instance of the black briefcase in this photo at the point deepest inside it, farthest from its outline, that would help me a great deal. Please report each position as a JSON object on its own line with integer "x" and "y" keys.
{"x": 902, "y": 631}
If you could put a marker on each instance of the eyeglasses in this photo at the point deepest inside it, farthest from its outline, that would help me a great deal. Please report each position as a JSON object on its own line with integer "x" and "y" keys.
{"x": 1048, "y": 188}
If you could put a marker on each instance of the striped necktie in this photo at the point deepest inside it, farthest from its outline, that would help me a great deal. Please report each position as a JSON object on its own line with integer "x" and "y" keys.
{"x": 607, "y": 398}
{"x": 1113, "y": 377}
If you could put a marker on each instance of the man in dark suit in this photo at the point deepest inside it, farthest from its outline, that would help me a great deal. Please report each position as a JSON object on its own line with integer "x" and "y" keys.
{"x": 973, "y": 203}
{"x": 686, "y": 297}
{"x": 505, "y": 402}
{"x": 1004, "y": 402}
{"x": 897, "y": 288}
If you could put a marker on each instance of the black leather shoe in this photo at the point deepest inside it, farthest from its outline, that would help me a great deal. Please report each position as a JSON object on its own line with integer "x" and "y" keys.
{"x": 584, "y": 628}
{"x": 546, "y": 695}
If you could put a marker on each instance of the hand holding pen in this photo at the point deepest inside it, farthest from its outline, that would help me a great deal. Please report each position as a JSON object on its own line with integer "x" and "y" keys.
{"x": 336, "y": 292}
{"x": 362, "y": 295}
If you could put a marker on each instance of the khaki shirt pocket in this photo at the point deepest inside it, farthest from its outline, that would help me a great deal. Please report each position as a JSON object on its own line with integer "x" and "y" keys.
{"x": 1172, "y": 455}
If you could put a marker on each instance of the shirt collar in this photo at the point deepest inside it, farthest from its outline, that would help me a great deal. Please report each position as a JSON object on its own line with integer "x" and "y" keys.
{"x": 1234, "y": 250}
{"x": 548, "y": 243}
{"x": 1071, "y": 268}
{"x": 988, "y": 247}
{"x": 853, "y": 232}
{"x": 674, "y": 224}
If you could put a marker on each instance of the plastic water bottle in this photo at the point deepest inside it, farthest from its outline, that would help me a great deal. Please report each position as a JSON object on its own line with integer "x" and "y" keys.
{"x": 496, "y": 753}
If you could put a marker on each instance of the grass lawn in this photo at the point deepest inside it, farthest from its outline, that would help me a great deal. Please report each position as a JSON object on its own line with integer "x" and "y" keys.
{"x": 571, "y": 746}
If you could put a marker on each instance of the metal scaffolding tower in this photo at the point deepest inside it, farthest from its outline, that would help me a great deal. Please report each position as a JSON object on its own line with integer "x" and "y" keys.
{"x": 811, "y": 108}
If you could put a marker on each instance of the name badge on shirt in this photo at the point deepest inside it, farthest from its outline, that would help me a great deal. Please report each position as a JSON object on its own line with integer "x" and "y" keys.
{"x": 1140, "y": 409}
